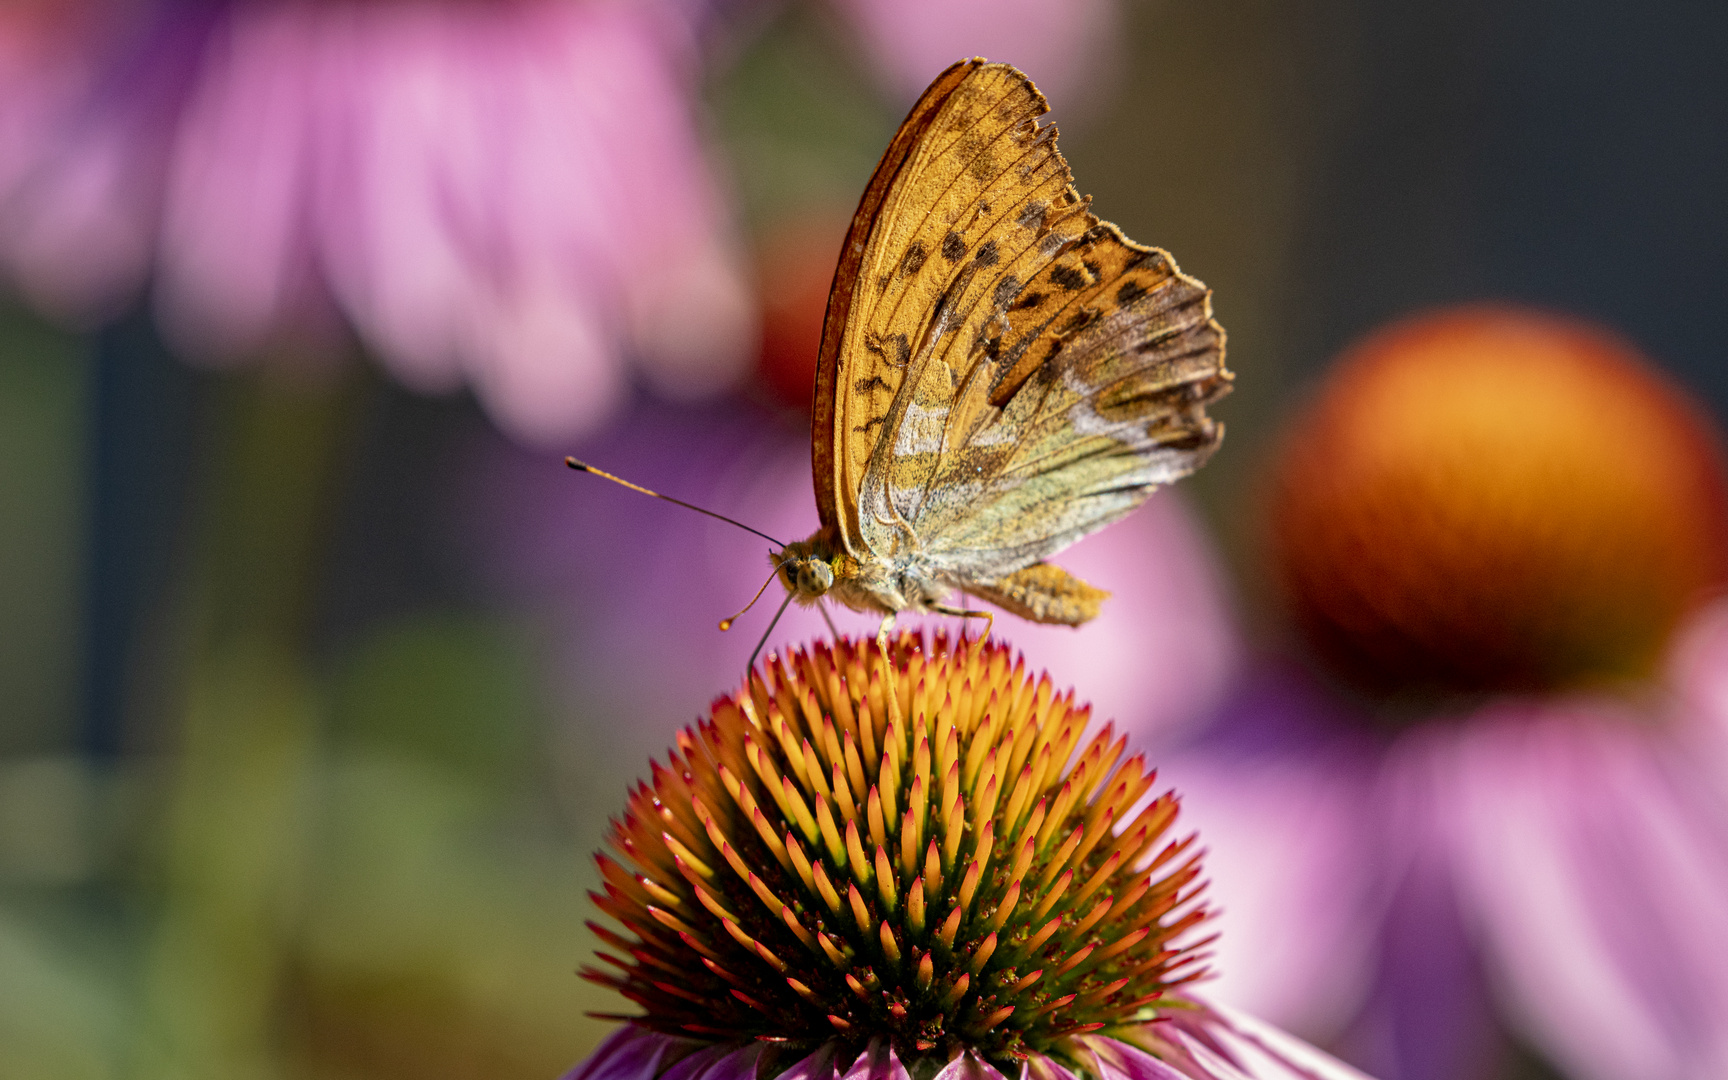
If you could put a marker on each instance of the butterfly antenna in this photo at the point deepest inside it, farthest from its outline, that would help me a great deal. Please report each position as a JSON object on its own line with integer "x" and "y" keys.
{"x": 726, "y": 624}
{"x": 583, "y": 466}
{"x": 757, "y": 651}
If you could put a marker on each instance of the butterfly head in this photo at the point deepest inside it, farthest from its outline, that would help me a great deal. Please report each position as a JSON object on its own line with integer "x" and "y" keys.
{"x": 808, "y": 568}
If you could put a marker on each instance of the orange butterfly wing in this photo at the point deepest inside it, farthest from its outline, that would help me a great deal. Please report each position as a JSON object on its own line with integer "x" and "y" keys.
{"x": 1000, "y": 372}
{"x": 833, "y": 461}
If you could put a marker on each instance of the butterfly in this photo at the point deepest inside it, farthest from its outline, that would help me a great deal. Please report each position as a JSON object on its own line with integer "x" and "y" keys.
{"x": 1001, "y": 373}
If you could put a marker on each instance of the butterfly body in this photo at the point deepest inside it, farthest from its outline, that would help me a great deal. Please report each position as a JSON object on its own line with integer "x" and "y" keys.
{"x": 1001, "y": 373}
{"x": 819, "y": 567}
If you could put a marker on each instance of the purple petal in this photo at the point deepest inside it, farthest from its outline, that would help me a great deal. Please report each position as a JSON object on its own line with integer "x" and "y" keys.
{"x": 724, "y": 1062}
{"x": 1698, "y": 670}
{"x": 968, "y": 1067}
{"x": 1291, "y": 842}
{"x": 1427, "y": 1017}
{"x": 911, "y": 40}
{"x": 1593, "y": 854}
{"x": 1165, "y": 648}
{"x": 487, "y": 192}
{"x": 819, "y": 1065}
{"x": 1039, "y": 1067}
{"x": 1112, "y": 1059}
{"x": 878, "y": 1062}
{"x": 233, "y": 246}
{"x": 1239, "y": 1046}
{"x": 630, "y": 1053}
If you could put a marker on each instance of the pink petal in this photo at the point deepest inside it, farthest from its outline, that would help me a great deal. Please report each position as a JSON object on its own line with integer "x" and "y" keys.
{"x": 630, "y": 1053}
{"x": 1699, "y": 673}
{"x": 1059, "y": 45}
{"x": 233, "y": 245}
{"x": 1595, "y": 859}
{"x": 1039, "y": 1067}
{"x": 1165, "y": 648}
{"x": 967, "y": 1066}
{"x": 1111, "y": 1059}
{"x": 725, "y": 1062}
{"x": 1255, "y": 1049}
{"x": 81, "y": 150}
{"x": 1285, "y": 808}
{"x": 819, "y": 1065}
{"x": 510, "y": 195}
{"x": 878, "y": 1062}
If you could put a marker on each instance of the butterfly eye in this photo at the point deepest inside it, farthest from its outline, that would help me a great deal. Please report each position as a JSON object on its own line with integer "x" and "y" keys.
{"x": 815, "y": 576}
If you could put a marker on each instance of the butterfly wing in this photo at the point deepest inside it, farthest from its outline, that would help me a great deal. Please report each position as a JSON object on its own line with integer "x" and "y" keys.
{"x": 1096, "y": 396}
{"x": 888, "y": 296}
{"x": 1001, "y": 373}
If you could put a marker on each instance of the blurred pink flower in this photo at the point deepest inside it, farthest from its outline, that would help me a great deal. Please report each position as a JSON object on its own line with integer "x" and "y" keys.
{"x": 1063, "y": 46}
{"x": 1217, "y": 1044}
{"x": 1509, "y": 509}
{"x": 508, "y": 194}
{"x": 1572, "y": 852}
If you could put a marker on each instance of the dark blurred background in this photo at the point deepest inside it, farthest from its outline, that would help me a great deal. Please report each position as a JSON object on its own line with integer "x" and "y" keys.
{"x": 316, "y": 689}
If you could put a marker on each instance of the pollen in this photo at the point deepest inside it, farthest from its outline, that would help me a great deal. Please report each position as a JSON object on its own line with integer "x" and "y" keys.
{"x": 971, "y": 870}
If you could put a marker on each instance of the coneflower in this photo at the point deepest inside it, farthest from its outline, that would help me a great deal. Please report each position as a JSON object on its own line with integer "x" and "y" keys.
{"x": 823, "y": 880}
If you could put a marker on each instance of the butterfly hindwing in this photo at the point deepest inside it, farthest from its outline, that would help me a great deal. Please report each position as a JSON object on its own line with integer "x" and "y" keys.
{"x": 1097, "y": 399}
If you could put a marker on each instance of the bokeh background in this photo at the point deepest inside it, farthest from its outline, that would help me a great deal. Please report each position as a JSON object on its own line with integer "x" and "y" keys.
{"x": 319, "y": 675}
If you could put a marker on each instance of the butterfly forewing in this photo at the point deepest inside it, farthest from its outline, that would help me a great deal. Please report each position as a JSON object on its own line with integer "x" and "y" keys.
{"x": 960, "y": 215}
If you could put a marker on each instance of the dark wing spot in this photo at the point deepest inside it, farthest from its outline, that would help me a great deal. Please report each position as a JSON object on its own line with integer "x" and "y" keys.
{"x": 953, "y": 248}
{"x": 1130, "y": 292}
{"x": 1093, "y": 268}
{"x": 1080, "y": 319}
{"x": 883, "y": 282}
{"x": 874, "y": 382}
{"x": 1030, "y": 300}
{"x": 902, "y": 351}
{"x": 1006, "y": 289}
{"x": 986, "y": 256}
{"x": 1033, "y": 216}
{"x": 1067, "y": 277}
{"x": 914, "y": 260}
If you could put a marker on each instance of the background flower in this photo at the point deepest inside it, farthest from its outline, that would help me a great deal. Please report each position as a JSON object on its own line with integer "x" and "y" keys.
{"x": 1067, "y": 44}
{"x": 1439, "y": 534}
{"x": 509, "y": 195}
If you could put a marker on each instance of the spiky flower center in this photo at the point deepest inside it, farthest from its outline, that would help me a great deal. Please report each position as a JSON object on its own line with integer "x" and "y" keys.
{"x": 811, "y": 864}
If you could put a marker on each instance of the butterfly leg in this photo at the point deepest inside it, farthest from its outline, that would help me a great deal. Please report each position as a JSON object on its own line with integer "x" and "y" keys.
{"x": 833, "y": 631}
{"x": 989, "y": 617}
{"x": 891, "y": 684}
